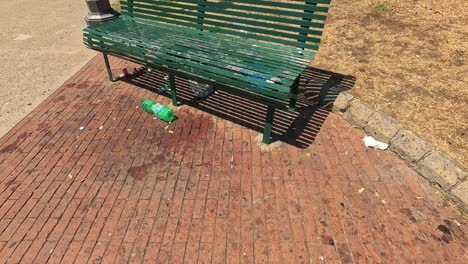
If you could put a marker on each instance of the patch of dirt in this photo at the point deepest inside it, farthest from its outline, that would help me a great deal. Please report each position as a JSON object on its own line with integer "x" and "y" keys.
{"x": 410, "y": 63}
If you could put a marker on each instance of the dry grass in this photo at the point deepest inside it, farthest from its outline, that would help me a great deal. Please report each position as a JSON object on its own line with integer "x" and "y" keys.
{"x": 410, "y": 60}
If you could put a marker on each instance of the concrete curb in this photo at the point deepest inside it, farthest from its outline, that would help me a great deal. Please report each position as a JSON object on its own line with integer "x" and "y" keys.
{"x": 436, "y": 167}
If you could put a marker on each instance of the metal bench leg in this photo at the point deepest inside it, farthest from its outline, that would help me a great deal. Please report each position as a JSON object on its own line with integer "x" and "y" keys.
{"x": 173, "y": 89}
{"x": 268, "y": 124}
{"x": 294, "y": 91}
{"x": 109, "y": 71}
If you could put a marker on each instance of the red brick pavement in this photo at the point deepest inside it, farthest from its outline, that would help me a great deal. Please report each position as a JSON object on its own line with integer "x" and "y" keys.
{"x": 134, "y": 192}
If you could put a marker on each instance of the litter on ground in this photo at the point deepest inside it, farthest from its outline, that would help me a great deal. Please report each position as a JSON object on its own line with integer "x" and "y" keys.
{"x": 373, "y": 143}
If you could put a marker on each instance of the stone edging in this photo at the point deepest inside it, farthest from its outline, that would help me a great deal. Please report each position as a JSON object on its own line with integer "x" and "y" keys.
{"x": 435, "y": 166}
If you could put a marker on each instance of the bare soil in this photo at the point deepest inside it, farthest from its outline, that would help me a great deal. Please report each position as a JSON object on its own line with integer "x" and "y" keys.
{"x": 409, "y": 59}
{"x": 40, "y": 47}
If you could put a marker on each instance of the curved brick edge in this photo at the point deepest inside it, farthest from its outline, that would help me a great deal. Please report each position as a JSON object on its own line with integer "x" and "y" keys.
{"x": 436, "y": 167}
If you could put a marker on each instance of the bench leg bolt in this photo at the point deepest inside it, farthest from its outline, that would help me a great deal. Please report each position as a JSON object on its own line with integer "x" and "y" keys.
{"x": 109, "y": 71}
{"x": 268, "y": 124}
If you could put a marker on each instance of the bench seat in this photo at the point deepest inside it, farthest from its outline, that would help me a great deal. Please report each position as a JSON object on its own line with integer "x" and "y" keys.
{"x": 262, "y": 70}
{"x": 253, "y": 48}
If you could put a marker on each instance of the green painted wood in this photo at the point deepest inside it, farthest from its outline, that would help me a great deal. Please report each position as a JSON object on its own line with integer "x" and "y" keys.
{"x": 271, "y": 89}
{"x": 239, "y": 57}
{"x": 174, "y": 63}
{"x": 201, "y": 14}
{"x": 270, "y": 21}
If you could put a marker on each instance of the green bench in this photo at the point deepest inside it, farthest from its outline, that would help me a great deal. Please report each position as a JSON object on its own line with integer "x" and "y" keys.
{"x": 253, "y": 48}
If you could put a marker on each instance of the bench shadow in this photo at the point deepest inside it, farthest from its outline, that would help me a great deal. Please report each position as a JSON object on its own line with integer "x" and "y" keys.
{"x": 318, "y": 91}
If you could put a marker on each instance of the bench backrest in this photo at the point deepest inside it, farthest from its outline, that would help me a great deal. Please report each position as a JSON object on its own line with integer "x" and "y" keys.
{"x": 292, "y": 23}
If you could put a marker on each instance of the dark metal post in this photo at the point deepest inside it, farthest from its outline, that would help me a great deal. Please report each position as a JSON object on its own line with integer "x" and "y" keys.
{"x": 99, "y": 11}
{"x": 294, "y": 91}
{"x": 268, "y": 124}
{"x": 108, "y": 68}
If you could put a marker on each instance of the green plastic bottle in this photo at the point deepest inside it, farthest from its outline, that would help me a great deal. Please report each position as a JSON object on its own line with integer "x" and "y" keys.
{"x": 162, "y": 112}
{"x": 147, "y": 105}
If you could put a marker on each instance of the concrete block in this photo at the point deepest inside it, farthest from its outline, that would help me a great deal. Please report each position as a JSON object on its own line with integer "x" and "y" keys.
{"x": 382, "y": 127}
{"x": 439, "y": 168}
{"x": 358, "y": 113}
{"x": 342, "y": 102}
{"x": 409, "y": 146}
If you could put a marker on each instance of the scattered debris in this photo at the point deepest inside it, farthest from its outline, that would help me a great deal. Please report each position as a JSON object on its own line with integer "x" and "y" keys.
{"x": 444, "y": 229}
{"x": 128, "y": 129}
{"x": 200, "y": 90}
{"x": 171, "y": 132}
{"x": 125, "y": 72}
{"x": 101, "y": 127}
{"x": 166, "y": 127}
{"x": 361, "y": 190}
{"x": 70, "y": 176}
{"x": 162, "y": 90}
{"x": 419, "y": 197}
{"x": 82, "y": 128}
{"x": 383, "y": 201}
{"x": 373, "y": 143}
{"x": 456, "y": 222}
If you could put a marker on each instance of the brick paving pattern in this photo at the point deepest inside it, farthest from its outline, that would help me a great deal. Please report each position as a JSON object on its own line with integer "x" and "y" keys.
{"x": 130, "y": 189}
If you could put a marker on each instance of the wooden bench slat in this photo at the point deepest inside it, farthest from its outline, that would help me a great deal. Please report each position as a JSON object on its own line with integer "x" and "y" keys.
{"x": 245, "y": 57}
{"x": 300, "y": 55}
{"x": 149, "y": 9}
{"x": 273, "y": 89}
{"x": 165, "y": 56}
{"x": 268, "y": 21}
{"x": 171, "y": 62}
{"x": 271, "y": 53}
{"x": 243, "y": 31}
{"x": 267, "y": 39}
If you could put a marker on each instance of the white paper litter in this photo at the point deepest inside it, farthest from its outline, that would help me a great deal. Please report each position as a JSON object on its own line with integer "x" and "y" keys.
{"x": 371, "y": 142}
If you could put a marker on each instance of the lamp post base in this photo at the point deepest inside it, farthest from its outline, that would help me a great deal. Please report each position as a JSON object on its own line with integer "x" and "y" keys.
{"x": 98, "y": 18}
{"x": 99, "y": 11}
